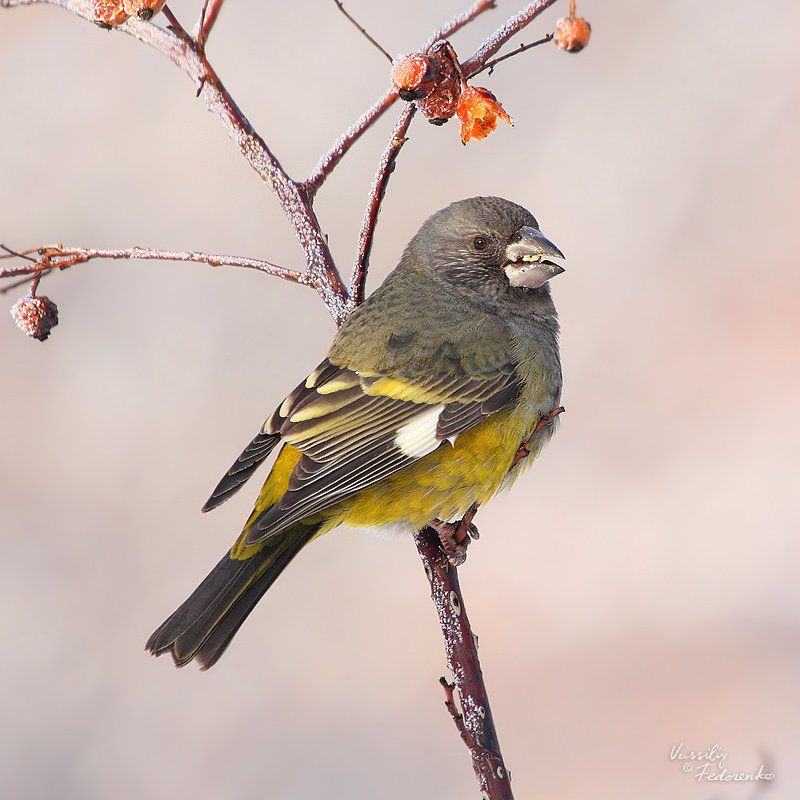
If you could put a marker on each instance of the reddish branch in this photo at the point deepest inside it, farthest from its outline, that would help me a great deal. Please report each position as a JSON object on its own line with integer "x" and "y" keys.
{"x": 58, "y": 256}
{"x": 208, "y": 16}
{"x": 330, "y": 159}
{"x": 474, "y": 721}
{"x": 396, "y": 141}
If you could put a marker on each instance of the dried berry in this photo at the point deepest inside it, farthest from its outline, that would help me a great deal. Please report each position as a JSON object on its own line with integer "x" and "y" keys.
{"x": 441, "y": 103}
{"x": 479, "y": 112}
{"x": 109, "y": 13}
{"x": 144, "y": 9}
{"x": 35, "y": 316}
{"x": 572, "y": 34}
{"x": 414, "y": 76}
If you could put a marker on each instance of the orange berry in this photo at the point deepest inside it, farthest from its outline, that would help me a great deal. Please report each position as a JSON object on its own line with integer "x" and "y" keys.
{"x": 441, "y": 103}
{"x": 572, "y": 34}
{"x": 414, "y": 76}
{"x": 109, "y": 13}
{"x": 479, "y": 112}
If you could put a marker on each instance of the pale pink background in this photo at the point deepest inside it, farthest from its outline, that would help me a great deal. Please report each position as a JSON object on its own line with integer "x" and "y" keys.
{"x": 637, "y": 589}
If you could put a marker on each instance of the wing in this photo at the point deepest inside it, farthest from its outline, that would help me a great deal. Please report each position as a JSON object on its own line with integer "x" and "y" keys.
{"x": 353, "y": 429}
{"x": 388, "y": 394}
{"x": 262, "y": 445}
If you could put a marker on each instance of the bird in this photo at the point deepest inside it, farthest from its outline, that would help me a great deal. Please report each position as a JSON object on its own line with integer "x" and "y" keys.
{"x": 416, "y": 413}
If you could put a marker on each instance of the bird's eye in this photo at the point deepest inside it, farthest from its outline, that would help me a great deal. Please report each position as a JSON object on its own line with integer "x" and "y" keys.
{"x": 480, "y": 243}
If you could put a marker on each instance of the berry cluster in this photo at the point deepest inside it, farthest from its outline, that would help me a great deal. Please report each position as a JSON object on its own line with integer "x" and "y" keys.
{"x": 435, "y": 81}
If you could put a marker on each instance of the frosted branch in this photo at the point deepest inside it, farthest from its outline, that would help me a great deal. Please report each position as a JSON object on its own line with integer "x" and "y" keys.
{"x": 40, "y": 261}
{"x": 377, "y": 191}
{"x": 338, "y": 150}
{"x": 508, "y": 29}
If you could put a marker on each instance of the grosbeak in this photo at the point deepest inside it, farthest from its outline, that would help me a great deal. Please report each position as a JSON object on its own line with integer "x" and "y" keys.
{"x": 417, "y": 411}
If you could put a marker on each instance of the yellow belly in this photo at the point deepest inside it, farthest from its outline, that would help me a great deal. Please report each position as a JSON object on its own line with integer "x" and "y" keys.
{"x": 444, "y": 483}
{"x": 441, "y": 485}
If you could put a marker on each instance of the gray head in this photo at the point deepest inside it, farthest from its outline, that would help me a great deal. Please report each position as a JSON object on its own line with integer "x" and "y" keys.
{"x": 488, "y": 248}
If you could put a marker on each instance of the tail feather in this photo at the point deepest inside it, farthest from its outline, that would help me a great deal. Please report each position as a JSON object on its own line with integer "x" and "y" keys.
{"x": 203, "y": 626}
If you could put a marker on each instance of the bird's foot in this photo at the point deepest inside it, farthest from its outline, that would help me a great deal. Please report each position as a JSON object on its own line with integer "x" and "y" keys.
{"x": 455, "y": 536}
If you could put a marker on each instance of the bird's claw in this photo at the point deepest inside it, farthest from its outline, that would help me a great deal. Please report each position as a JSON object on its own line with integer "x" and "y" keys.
{"x": 455, "y": 538}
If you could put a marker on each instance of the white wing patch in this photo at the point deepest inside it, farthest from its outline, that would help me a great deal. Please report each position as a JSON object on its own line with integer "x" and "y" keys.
{"x": 417, "y": 437}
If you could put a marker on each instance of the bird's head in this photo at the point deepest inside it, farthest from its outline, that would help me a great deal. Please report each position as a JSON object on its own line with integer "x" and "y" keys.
{"x": 485, "y": 245}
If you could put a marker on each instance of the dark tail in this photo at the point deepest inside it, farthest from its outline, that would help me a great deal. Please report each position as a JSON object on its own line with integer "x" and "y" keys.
{"x": 204, "y": 625}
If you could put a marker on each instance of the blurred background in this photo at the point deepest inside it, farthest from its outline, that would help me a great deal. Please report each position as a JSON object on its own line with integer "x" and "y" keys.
{"x": 637, "y": 589}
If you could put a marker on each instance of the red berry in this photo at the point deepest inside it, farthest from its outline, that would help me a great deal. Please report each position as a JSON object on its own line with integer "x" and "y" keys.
{"x": 36, "y": 316}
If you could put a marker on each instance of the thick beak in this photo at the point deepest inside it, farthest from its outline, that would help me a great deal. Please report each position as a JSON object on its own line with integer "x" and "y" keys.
{"x": 527, "y": 265}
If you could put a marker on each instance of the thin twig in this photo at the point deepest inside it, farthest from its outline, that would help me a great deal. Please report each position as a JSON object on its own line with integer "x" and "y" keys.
{"x": 339, "y": 149}
{"x": 362, "y": 29}
{"x": 330, "y": 160}
{"x": 490, "y": 65}
{"x": 62, "y": 257}
{"x": 208, "y": 16}
{"x": 176, "y": 27}
{"x": 377, "y": 191}
{"x": 9, "y": 287}
{"x": 181, "y": 49}
{"x": 508, "y": 29}
{"x": 525, "y": 448}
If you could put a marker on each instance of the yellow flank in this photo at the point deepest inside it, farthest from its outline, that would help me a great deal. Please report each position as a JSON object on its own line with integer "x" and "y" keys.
{"x": 273, "y": 489}
{"x": 441, "y": 485}
{"x": 444, "y": 483}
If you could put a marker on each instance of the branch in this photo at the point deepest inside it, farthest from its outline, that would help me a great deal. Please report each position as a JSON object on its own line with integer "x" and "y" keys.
{"x": 294, "y": 201}
{"x": 208, "y": 16}
{"x": 475, "y": 63}
{"x": 458, "y": 22}
{"x": 490, "y": 65}
{"x": 476, "y": 726}
{"x": 474, "y": 723}
{"x": 377, "y": 191}
{"x": 362, "y": 30}
{"x": 339, "y": 149}
{"x": 58, "y": 257}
